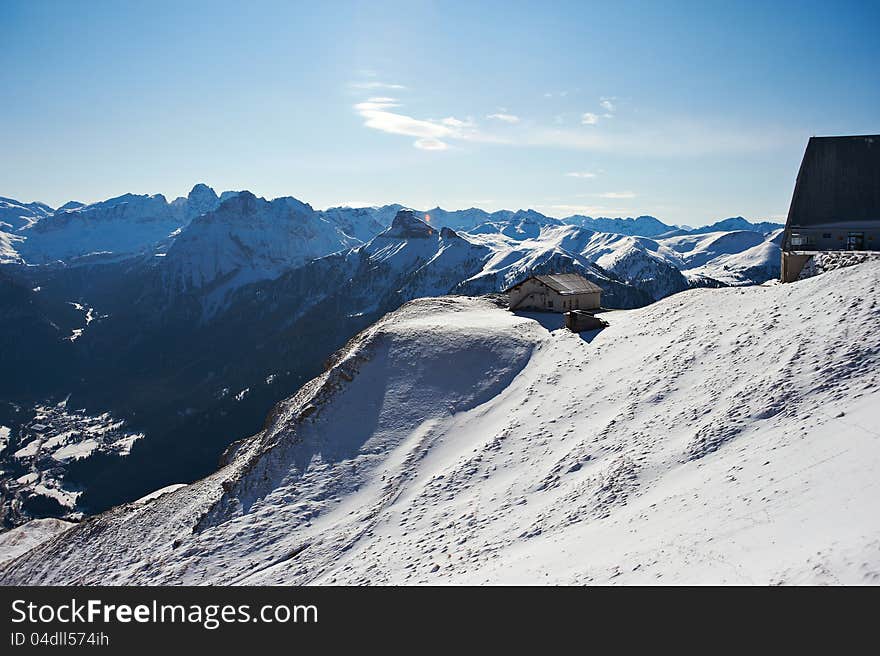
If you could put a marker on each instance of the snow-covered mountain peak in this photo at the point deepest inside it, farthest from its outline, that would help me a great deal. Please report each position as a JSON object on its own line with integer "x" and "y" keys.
{"x": 524, "y": 224}
{"x": 241, "y": 204}
{"x": 200, "y": 199}
{"x": 738, "y": 223}
{"x": 646, "y": 226}
{"x": 245, "y": 206}
{"x": 120, "y": 226}
{"x": 16, "y": 215}
{"x": 246, "y": 239}
{"x": 70, "y": 206}
{"x": 130, "y": 205}
{"x": 362, "y": 223}
{"x": 200, "y": 189}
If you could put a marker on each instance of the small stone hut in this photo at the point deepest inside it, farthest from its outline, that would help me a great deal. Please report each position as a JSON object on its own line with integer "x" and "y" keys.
{"x": 555, "y": 292}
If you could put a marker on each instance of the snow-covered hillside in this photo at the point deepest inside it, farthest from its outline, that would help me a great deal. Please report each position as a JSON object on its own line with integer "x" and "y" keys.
{"x": 20, "y": 539}
{"x": 719, "y": 435}
{"x": 124, "y": 225}
{"x": 362, "y": 223}
{"x": 657, "y": 267}
{"x": 733, "y": 258}
{"x": 15, "y": 215}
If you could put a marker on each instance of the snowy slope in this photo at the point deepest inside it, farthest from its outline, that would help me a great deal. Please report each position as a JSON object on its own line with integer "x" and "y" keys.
{"x": 719, "y": 435}
{"x": 15, "y": 215}
{"x": 362, "y": 223}
{"x": 20, "y": 539}
{"x": 734, "y": 258}
{"x": 667, "y": 265}
{"x": 611, "y": 260}
{"x": 9, "y": 245}
{"x": 125, "y": 224}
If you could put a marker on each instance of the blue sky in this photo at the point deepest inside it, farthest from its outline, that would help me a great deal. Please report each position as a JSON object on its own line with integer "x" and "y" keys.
{"x": 690, "y": 111}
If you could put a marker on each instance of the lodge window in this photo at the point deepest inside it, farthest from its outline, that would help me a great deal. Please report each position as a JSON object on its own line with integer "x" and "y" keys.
{"x": 798, "y": 239}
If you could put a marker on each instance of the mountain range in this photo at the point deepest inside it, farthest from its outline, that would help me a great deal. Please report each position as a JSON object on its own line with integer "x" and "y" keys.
{"x": 184, "y": 322}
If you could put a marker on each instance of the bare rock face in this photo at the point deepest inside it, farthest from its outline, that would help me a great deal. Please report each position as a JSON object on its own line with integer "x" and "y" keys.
{"x": 407, "y": 225}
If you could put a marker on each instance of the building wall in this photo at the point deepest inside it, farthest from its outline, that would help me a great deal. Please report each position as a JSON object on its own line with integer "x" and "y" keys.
{"x": 864, "y": 237}
{"x": 534, "y": 295}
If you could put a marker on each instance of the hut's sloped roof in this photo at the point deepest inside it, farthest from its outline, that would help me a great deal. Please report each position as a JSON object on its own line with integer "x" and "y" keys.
{"x": 569, "y": 283}
{"x": 838, "y": 182}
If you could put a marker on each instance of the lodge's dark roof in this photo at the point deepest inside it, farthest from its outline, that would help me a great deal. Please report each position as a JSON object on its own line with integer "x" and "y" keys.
{"x": 838, "y": 182}
{"x": 566, "y": 283}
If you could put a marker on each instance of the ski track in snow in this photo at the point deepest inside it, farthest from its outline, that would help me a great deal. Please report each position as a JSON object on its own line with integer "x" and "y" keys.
{"x": 716, "y": 436}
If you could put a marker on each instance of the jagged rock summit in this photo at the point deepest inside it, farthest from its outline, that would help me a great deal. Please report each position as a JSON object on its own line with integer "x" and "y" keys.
{"x": 407, "y": 224}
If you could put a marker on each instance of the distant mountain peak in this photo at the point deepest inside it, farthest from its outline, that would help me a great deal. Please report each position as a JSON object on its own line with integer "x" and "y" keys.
{"x": 201, "y": 199}
{"x": 243, "y": 201}
{"x": 201, "y": 188}
{"x": 70, "y": 205}
{"x": 738, "y": 223}
{"x": 407, "y": 224}
{"x": 202, "y": 193}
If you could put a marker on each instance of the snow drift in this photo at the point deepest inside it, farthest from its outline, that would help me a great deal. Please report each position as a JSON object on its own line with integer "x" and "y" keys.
{"x": 719, "y": 435}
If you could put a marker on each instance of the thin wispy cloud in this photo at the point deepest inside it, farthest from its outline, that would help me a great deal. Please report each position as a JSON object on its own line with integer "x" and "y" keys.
{"x": 504, "y": 118}
{"x": 430, "y": 144}
{"x": 355, "y": 203}
{"x": 580, "y": 174}
{"x": 561, "y": 210}
{"x": 617, "y": 194}
{"x": 669, "y": 138}
{"x": 375, "y": 85}
{"x": 381, "y": 114}
{"x": 457, "y": 123}
{"x": 607, "y": 104}
{"x": 660, "y": 137}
